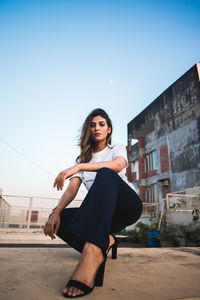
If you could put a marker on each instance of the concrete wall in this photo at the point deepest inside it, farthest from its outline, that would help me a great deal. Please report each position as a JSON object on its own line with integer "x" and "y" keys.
{"x": 184, "y": 144}
{"x": 176, "y": 106}
{"x": 171, "y": 125}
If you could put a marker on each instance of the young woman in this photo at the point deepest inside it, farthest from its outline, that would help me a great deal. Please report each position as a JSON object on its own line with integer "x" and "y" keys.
{"x": 110, "y": 205}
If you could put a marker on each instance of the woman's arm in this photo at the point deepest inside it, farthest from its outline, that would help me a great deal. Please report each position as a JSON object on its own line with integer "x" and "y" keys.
{"x": 53, "y": 223}
{"x": 69, "y": 194}
{"x": 117, "y": 164}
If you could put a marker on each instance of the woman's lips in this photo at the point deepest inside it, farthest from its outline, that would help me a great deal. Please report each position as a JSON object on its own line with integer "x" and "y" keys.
{"x": 97, "y": 134}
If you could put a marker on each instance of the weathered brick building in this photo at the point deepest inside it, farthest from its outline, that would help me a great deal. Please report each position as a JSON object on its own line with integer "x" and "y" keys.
{"x": 167, "y": 155}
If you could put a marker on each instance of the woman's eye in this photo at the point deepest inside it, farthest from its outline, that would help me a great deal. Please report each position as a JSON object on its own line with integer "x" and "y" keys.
{"x": 93, "y": 125}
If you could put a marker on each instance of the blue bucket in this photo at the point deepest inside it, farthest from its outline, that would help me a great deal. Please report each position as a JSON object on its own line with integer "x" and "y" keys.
{"x": 153, "y": 241}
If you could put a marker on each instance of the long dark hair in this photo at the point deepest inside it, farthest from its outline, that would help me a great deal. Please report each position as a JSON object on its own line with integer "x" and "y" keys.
{"x": 85, "y": 141}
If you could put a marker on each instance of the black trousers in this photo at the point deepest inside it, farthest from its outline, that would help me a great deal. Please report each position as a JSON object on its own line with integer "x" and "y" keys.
{"x": 109, "y": 206}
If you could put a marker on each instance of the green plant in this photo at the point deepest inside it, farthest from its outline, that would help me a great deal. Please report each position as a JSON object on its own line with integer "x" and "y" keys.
{"x": 168, "y": 232}
{"x": 188, "y": 235}
{"x": 182, "y": 234}
{"x": 140, "y": 232}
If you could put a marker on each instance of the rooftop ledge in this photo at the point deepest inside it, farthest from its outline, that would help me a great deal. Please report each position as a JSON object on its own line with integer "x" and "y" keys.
{"x": 137, "y": 274}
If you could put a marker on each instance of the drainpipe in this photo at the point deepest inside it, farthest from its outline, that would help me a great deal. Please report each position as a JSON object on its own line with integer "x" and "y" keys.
{"x": 170, "y": 172}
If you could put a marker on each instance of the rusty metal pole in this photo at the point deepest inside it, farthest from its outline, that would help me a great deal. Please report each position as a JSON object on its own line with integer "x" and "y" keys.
{"x": 162, "y": 213}
{"x": 29, "y": 212}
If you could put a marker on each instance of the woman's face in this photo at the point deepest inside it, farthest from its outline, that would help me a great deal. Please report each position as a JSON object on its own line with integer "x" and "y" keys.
{"x": 99, "y": 129}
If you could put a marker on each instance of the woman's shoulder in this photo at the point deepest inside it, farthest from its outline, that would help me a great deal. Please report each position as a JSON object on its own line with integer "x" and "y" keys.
{"x": 117, "y": 146}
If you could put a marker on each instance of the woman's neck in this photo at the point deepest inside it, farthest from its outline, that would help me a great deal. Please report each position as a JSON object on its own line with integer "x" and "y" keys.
{"x": 98, "y": 147}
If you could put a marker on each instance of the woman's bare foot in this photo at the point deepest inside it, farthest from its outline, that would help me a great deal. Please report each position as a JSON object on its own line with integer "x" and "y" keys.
{"x": 86, "y": 269}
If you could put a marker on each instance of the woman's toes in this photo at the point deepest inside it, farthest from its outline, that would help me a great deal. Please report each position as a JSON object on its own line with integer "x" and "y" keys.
{"x": 72, "y": 291}
{"x": 65, "y": 290}
{"x": 78, "y": 292}
{"x": 81, "y": 292}
{"x": 69, "y": 291}
{"x": 75, "y": 292}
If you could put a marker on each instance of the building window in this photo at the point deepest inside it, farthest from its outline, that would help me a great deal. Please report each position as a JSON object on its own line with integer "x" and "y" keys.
{"x": 155, "y": 193}
{"x": 34, "y": 215}
{"x": 151, "y": 194}
{"x": 154, "y": 160}
{"x": 147, "y": 195}
{"x": 147, "y": 163}
{"x": 151, "y": 161}
{"x": 135, "y": 169}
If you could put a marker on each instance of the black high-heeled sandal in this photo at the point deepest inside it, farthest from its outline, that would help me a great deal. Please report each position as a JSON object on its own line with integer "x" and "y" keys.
{"x": 85, "y": 288}
{"x": 114, "y": 248}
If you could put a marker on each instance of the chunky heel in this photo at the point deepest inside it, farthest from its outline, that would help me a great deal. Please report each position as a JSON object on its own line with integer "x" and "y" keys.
{"x": 85, "y": 288}
{"x": 114, "y": 248}
{"x": 114, "y": 251}
{"x": 100, "y": 274}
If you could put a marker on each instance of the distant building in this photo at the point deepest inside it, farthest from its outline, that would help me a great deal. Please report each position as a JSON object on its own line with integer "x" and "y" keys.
{"x": 167, "y": 155}
{"x": 5, "y": 208}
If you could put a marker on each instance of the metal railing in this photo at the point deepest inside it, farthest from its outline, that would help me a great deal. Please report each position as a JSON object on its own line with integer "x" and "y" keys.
{"x": 179, "y": 207}
{"x": 32, "y": 214}
{"x": 150, "y": 209}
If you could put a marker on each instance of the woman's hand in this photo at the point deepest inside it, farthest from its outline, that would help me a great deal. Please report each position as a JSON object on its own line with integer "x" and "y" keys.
{"x": 52, "y": 225}
{"x": 60, "y": 179}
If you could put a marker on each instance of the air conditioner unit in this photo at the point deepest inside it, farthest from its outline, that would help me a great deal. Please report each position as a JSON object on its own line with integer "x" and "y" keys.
{"x": 166, "y": 182}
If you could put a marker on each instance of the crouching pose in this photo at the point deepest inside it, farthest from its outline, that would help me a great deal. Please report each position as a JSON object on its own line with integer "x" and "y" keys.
{"x": 110, "y": 205}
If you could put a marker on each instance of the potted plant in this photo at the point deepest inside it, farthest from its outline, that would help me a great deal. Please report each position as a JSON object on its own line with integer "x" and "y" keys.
{"x": 141, "y": 232}
{"x": 168, "y": 236}
{"x": 188, "y": 235}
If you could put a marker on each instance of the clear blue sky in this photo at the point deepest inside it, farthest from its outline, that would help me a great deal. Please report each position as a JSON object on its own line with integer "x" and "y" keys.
{"x": 61, "y": 59}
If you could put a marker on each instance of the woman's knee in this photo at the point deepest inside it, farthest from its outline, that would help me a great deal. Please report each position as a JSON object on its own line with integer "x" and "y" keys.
{"x": 105, "y": 170}
{"x": 66, "y": 216}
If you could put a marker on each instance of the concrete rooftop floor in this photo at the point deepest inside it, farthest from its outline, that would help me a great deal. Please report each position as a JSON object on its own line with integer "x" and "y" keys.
{"x": 138, "y": 273}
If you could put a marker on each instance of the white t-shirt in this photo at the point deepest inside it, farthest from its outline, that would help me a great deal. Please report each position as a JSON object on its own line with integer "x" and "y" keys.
{"x": 107, "y": 154}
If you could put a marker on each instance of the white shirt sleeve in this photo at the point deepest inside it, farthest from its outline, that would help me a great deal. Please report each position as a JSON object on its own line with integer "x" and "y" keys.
{"x": 79, "y": 174}
{"x": 120, "y": 150}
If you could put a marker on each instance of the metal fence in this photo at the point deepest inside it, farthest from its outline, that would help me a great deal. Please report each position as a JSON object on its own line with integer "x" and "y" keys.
{"x": 150, "y": 210}
{"x": 33, "y": 212}
{"x": 180, "y": 208}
